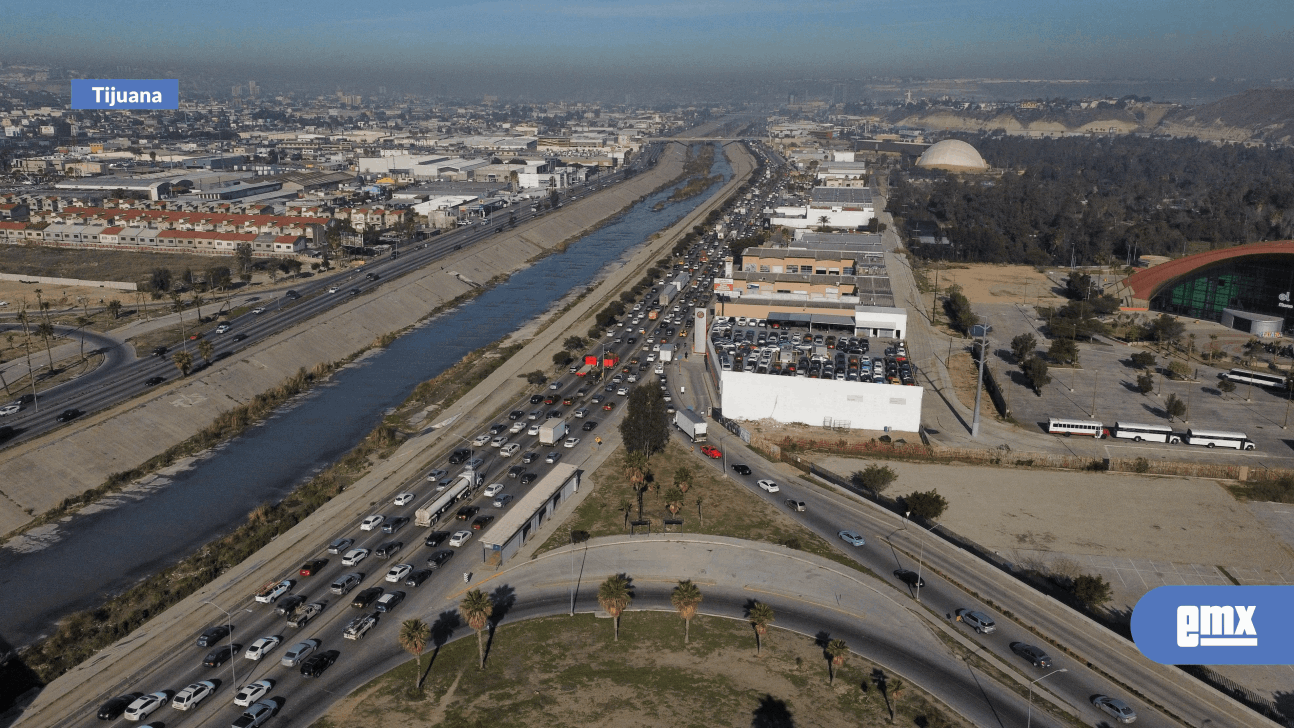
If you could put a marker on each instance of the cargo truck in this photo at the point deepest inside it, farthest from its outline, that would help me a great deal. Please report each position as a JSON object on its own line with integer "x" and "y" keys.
{"x": 666, "y": 352}
{"x": 692, "y": 424}
{"x": 552, "y": 432}
{"x": 463, "y": 486}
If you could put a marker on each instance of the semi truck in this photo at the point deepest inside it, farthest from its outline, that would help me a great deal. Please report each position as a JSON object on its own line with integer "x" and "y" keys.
{"x": 464, "y": 485}
{"x": 552, "y": 432}
{"x": 692, "y": 424}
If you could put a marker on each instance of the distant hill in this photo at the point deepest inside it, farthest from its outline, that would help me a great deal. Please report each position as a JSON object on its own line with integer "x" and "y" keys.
{"x": 1257, "y": 115}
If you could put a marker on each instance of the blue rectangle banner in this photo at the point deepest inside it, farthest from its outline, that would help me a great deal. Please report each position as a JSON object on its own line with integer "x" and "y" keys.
{"x": 125, "y": 93}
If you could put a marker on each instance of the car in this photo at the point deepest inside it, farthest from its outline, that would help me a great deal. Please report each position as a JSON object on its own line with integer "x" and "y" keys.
{"x": 580, "y": 413}
{"x": 372, "y": 276}
{"x": 159, "y": 351}
{"x": 493, "y": 489}
{"x": 366, "y": 597}
{"x": 360, "y": 626}
{"x": 503, "y": 500}
{"x": 354, "y": 556}
{"x": 795, "y": 505}
{"x": 387, "y": 602}
{"x": 68, "y": 415}
{"x": 480, "y": 441}
{"x": 1035, "y": 655}
{"x": 529, "y": 457}
{"x": 298, "y": 652}
{"x": 193, "y": 694}
{"x": 711, "y": 452}
{"x": 982, "y": 623}
{"x": 459, "y": 538}
{"x": 436, "y": 538}
{"x": 372, "y": 522}
{"x": 571, "y": 442}
{"x": 222, "y": 328}
{"x": 741, "y": 469}
{"x": 417, "y": 577}
{"x": 239, "y": 337}
{"x": 256, "y": 714}
{"x": 769, "y": 486}
{"x": 258, "y": 310}
{"x": 10, "y": 409}
{"x": 398, "y": 572}
{"x": 481, "y": 522}
{"x": 536, "y": 398}
{"x": 437, "y": 474}
{"x": 516, "y": 414}
{"x": 556, "y": 384}
{"x": 312, "y": 567}
{"x": 334, "y": 289}
{"x": 344, "y": 583}
{"x": 262, "y": 647}
{"x": 289, "y": 603}
{"x": 497, "y": 428}
{"x": 221, "y": 655}
{"x": 466, "y": 512}
{"x": 1115, "y": 708}
{"x": 113, "y": 709}
{"x": 388, "y": 549}
{"x": 251, "y": 692}
{"x": 273, "y": 591}
{"x": 553, "y": 415}
{"x": 516, "y": 470}
{"x": 438, "y": 559}
{"x": 404, "y": 499}
{"x": 509, "y": 450}
{"x": 852, "y": 538}
{"x": 553, "y": 457}
{"x": 395, "y": 524}
{"x": 533, "y": 430}
{"x": 589, "y": 425}
{"x": 306, "y": 613}
{"x": 528, "y": 478}
{"x": 150, "y": 382}
{"x": 316, "y": 664}
{"x": 518, "y": 426}
{"x": 144, "y": 705}
{"x": 622, "y": 391}
{"x": 340, "y": 545}
{"x": 460, "y": 455}
{"x": 212, "y": 635}
{"x": 608, "y": 406}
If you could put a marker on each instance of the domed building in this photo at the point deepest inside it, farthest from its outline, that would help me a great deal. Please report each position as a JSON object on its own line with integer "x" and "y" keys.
{"x": 953, "y": 155}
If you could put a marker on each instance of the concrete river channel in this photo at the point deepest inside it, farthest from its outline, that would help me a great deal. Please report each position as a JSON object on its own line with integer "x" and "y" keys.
{"x": 95, "y": 555}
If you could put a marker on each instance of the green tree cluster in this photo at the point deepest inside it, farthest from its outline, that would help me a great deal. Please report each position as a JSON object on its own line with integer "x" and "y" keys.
{"x": 958, "y": 308}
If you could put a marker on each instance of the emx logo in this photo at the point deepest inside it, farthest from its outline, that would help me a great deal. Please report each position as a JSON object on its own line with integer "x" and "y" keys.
{"x": 1215, "y": 625}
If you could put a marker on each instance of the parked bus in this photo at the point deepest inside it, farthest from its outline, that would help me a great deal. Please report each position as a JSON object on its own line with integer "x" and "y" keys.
{"x": 1057, "y": 426}
{"x": 1138, "y": 432}
{"x": 1213, "y": 438}
{"x": 1244, "y": 376}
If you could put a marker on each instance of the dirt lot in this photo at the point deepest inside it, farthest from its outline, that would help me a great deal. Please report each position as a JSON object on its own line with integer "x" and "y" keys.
{"x": 99, "y": 265}
{"x": 564, "y": 671}
{"x": 984, "y": 283}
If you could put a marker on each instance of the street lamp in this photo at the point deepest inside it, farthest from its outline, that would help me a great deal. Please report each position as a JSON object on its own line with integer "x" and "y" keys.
{"x": 921, "y": 553}
{"x": 233, "y": 659}
{"x": 1029, "y": 719}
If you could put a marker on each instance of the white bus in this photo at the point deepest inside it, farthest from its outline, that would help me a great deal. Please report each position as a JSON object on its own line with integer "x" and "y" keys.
{"x": 1150, "y": 433}
{"x": 1244, "y": 376}
{"x": 1213, "y": 438}
{"x": 1057, "y": 426}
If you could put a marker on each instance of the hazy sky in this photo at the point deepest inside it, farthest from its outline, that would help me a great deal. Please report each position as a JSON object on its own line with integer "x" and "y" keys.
{"x": 944, "y": 38}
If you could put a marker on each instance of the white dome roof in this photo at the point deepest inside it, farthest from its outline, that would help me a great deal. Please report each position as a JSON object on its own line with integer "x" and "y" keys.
{"x": 952, "y": 154}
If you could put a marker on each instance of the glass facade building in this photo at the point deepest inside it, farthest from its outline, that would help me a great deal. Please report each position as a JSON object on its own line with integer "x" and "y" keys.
{"x": 1257, "y": 284}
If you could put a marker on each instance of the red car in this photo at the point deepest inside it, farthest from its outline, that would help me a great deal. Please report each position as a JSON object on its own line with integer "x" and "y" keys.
{"x": 312, "y": 566}
{"x": 609, "y": 406}
{"x": 712, "y": 452}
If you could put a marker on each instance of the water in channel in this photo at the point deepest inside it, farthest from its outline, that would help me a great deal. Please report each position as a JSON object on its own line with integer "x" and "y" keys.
{"x": 102, "y": 553}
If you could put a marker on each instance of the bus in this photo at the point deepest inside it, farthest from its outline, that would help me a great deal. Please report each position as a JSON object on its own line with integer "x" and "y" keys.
{"x": 1213, "y": 438}
{"x": 1057, "y": 426}
{"x": 1138, "y": 432}
{"x": 1244, "y": 376}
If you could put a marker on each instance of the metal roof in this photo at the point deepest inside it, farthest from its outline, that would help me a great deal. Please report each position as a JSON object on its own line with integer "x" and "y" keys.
{"x": 529, "y": 504}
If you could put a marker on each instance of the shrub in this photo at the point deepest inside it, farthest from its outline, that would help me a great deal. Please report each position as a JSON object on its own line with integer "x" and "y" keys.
{"x": 1091, "y": 591}
{"x": 875, "y": 477}
{"x": 1146, "y": 383}
{"x": 1141, "y": 465}
{"x": 1143, "y": 360}
{"x": 1179, "y": 370}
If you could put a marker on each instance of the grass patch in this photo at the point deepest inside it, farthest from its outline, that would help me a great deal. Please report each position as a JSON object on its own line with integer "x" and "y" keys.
{"x": 567, "y": 671}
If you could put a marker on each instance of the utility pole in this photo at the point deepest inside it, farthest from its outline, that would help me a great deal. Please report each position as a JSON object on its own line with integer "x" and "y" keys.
{"x": 1095, "y": 375}
{"x": 979, "y": 385}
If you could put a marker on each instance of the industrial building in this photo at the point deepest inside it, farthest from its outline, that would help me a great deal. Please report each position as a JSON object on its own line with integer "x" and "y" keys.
{"x": 534, "y": 509}
{"x": 841, "y": 208}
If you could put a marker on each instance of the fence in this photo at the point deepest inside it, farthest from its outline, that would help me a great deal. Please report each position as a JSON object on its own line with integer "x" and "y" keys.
{"x": 1241, "y": 693}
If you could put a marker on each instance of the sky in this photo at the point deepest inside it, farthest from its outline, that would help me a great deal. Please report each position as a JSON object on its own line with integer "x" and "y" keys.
{"x": 637, "y": 39}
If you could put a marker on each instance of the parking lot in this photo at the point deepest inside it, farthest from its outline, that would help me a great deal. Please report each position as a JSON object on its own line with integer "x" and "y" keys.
{"x": 756, "y": 346}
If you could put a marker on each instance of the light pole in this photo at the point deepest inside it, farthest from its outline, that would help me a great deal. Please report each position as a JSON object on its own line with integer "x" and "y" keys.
{"x": 233, "y": 659}
{"x": 1029, "y": 719}
{"x": 979, "y": 386}
{"x": 921, "y": 553}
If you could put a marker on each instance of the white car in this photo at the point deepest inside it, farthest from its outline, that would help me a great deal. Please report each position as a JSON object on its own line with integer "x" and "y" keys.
{"x": 333, "y": 289}
{"x": 480, "y": 441}
{"x": 533, "y": 430}
{"x": 272, "y": 593}
{"x": 144, "y": 706}
{"x": 437, "y": 474}
{"x": 622, "y": 391}
{"x": 499, "y": 441}
{"x": 251, "y": 692}
{"x": 517, "y": 426}
{"x": 372, "y": 522}
{"x": 580, "y": 413}
{"x": 10, "y": 409}
{"x": 459, "y": 538}
{"x": 769, "y": 486}
{"x": 398, "y": 572}
{"x": 263, "y": 647}
{"x": 354, "y": 556}
{"x": 493, "y": 489}
{"x": 258, "y": 310}
{"x": 508, "y": 451}
{"x": 193, "y": 694}
{"x": 571, "y": 442}
{"x": 404, "y": 499}
{"x": 651, "y": 357}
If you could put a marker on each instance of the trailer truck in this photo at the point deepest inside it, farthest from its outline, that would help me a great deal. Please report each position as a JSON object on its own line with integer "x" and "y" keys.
{"x": 464, "y": 485}
{"x": 552, "y": 432}
{"x": 692, "y": 424}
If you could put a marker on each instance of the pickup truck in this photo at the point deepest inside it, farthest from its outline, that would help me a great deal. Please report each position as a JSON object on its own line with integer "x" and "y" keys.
{"x": 273, "y": 590}
{"x": 305, "y": 614}
{"x": 360, "y": 626}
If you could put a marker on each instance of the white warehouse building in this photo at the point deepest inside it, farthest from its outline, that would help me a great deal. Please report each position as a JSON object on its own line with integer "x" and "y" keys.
{"x": 820, "y": 402}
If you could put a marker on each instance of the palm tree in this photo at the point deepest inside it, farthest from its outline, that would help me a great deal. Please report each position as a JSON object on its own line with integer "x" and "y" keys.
{"x": 686, "y": 598}
{"x": 183, "y": 361}
{"x": 760, "y": 615}
{"x": 177, "y": 305}
{"x": 895, "y": 688}
{"x": 197, "y": 302}
{"x": 837, "y": 651}
{"x": 476, "y": 609}
{"x": 46, "y": 331}
{"x": 81, "y": 323}
{"x": 413, "y": 637}
{"x": 614, "y": 597}
{"x": 206, "y": 349}
{"x": 114, "y": 308}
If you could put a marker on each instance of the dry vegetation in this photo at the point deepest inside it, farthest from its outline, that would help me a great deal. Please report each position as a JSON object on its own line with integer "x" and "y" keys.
{"x": 102, "y": 265}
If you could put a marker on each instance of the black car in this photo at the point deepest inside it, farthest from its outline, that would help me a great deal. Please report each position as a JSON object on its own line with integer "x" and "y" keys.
{"x": 372, "y": 276}
{"x": 353, "y": 292}
{"x": 315, "y": 664}
{"x": 741, "y": 469}
{"x": 239, "y": 337}
{"x": 292, "y": 295}
{"x": 221, "y": 655}
{"x": 366, "y": 597}
{"x": 516, "y": 414}
{"x": 909, "y": 577}
{"x": 528, "y": 478}
{"x": 212, "y": 635}
{"x": 395, "y": 524}
{"x": 154, "y": 381}
{"x": 516, "y": 470}
{"x": 392, "y": 599}
{"x": 467, "y": 512}
{"x": 497, "y": 428}
{"x": 459, "y": 456}
{"x": 417, "y": 577}
{"x": 159, "y": 351}
{"x": 529, "y": 457}
{"x": 439, "y": 558}
{"x": 388, "y": 549}
{"x": 481, "y": 522}
{"x": 113, "y": 709}
{"x": 589, "y": 425}
{"x": 536, "y": 398}
{"x": 68, "y": 415}
{"x": 289, "y": 603}
{"x": 436, "y": 538}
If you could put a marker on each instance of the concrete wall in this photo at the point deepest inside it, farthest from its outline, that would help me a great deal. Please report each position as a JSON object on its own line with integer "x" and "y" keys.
{"x": 119, "y": 285}
{"x": 866, "y": 406}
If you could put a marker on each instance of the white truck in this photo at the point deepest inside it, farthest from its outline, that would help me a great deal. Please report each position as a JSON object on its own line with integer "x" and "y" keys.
{"x": 692, "y": 424}
{"x": 463, "y": 486}
{"x": 666, "y": 352}
{"x": 552, "y": 431}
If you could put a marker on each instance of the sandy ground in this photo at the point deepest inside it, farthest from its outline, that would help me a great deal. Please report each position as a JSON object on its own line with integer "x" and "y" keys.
{"x": 60, "y": 297}
{"x": 983, "y": 283}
